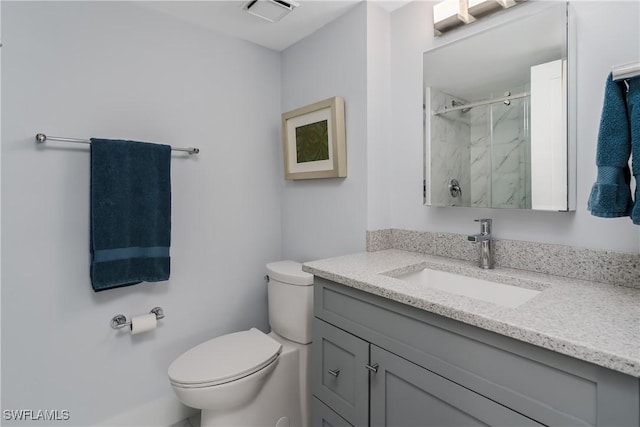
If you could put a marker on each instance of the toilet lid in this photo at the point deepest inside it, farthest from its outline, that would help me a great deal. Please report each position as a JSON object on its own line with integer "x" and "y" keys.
{"x": 225, "y": 358}
{"x": 289, "y": 272}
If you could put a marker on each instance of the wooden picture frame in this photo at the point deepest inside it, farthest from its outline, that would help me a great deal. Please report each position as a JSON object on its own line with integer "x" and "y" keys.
{"x": 314, "y": 141}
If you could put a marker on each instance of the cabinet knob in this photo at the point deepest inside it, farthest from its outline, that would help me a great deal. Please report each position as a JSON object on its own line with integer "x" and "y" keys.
{"x": 334, "y": 372}
{"x": 373, "y": 368}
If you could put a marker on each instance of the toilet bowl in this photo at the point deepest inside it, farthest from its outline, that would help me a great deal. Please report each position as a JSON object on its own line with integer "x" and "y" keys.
{"x": 250, "y": 378}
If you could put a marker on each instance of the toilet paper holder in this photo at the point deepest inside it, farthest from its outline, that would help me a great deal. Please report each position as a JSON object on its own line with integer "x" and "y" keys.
{"x": 120, "y": 320}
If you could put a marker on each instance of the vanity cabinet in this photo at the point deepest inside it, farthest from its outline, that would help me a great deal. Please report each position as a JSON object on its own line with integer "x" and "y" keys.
{"x": 378, "y": 362}
{"x": 401, "y": 393}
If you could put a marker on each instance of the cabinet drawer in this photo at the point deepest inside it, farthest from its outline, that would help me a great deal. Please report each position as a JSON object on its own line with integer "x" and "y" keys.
{"x": 323, "y": 416}
{"x": 340, "y": 378}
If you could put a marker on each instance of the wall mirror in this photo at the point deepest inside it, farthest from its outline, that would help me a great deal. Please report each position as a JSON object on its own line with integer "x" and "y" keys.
{"x": 496, "y": 115}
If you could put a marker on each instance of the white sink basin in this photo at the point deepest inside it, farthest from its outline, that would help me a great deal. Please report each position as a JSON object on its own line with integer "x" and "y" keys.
{"x": 497, "y": 293}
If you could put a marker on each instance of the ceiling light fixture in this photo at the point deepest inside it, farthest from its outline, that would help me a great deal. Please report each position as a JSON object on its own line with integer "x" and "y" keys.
{"x": 270, "y": 10}
{"x": 449, "y": 14}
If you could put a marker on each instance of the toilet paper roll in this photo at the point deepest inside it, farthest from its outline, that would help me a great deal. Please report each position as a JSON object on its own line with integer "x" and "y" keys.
{"x": 143, "y": 323}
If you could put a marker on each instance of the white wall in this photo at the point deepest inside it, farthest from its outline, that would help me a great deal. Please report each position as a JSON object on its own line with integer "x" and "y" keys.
{"x": 607, "y": 35}
{"x": 328, "y": 217}
{"x": 378, "y": 115}
{"x": 113, "y": 69}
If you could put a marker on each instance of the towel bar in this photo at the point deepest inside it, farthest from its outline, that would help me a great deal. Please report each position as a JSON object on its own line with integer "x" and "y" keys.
{"x": 41, "y": 137}
{"x": 120, "y": 320}
{"x": 626, "y": 71}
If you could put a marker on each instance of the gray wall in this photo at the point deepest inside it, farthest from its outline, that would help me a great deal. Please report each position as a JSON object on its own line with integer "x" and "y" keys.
{"x": 327, "y": 217}
{"x": 113, "y": 69}
{"x": 607, "y": 35}
{"x": 379, "y": 141}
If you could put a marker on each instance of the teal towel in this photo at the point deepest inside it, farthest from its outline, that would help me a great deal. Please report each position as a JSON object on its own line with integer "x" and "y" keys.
{"x": 633, "y": 105}
{"x": 130, "y": 213}
{"x": 611, "y": 194}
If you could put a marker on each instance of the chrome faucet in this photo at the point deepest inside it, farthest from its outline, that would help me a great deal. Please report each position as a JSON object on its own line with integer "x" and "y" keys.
{"x": 486, "y": 246}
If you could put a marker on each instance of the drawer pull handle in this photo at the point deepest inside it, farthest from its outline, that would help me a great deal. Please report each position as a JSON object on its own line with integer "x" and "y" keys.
{"x": 334, "y": 372}
{"x": 373, "y": 368}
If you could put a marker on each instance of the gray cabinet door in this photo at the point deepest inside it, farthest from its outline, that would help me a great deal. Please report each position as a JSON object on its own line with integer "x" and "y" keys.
{"x": 406, "y": 395}
{"x": 340, "y": 378}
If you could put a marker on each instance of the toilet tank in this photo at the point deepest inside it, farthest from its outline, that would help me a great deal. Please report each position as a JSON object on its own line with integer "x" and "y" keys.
{"x": 290, "y": 294}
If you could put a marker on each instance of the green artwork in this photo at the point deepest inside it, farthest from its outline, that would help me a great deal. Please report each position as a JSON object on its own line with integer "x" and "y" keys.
{"x": 312, "y": 142}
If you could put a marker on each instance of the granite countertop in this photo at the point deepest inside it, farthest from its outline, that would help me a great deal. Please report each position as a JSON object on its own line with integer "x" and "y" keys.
{"x": 591, "y": 321}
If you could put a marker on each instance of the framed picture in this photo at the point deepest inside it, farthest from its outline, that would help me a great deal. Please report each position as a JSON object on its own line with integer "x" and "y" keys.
{"x": 314, "y": 141}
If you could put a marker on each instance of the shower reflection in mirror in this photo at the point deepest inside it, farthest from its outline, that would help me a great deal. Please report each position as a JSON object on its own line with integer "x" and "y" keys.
{"x": 496, "y": 116}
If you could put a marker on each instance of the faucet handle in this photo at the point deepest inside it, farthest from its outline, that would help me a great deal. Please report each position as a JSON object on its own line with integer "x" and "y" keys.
{"x": 485, "y": 225}
{"x": 483, "y": 220}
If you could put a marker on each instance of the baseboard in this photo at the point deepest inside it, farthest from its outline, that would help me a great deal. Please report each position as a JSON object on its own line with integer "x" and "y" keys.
{"x": 162, "y": 412}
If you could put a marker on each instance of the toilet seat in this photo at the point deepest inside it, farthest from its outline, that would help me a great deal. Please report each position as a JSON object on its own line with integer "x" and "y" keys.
{"x": 224, "y": 359}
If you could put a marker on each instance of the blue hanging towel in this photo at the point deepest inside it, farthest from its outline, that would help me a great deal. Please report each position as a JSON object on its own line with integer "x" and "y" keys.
{"x": 633, "y": 104}
{"x": 130, "y": 213}
{"x": 611, "y": 194}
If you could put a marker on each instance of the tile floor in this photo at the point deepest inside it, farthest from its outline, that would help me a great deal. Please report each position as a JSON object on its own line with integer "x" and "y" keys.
{"x": 189, "y": 422}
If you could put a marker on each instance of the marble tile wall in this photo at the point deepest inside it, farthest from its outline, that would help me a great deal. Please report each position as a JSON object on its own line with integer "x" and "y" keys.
{"x": 618, "y": 268}
{"x": 481, "y": 156}
{"x": 500, "y": 156}
{"x": 449, "y": 152}
{"x": 509, "y": 152}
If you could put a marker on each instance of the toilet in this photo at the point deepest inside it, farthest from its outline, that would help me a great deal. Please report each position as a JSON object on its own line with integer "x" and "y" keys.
{"x": 250, "y": 378}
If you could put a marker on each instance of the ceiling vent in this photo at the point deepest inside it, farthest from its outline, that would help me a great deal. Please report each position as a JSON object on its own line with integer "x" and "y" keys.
{"x": 271, "y": 10}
